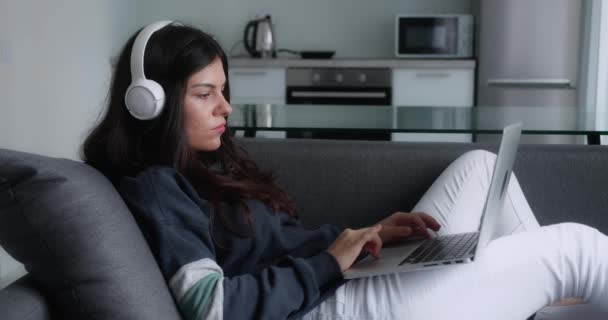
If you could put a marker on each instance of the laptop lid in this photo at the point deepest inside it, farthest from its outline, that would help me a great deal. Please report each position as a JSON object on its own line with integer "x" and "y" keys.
{"x": 498, "y": 186}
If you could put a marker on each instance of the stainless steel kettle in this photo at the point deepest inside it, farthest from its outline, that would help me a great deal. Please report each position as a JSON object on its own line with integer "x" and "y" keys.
{"x": 259, "y": 38}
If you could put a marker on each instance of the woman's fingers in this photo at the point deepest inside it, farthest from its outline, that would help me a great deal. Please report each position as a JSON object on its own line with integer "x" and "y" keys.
{"x": 396, "y": 232}
{"x": 347, "y": 247}
{"x": 373, "y": 246}
{"x": 371, "y": 241}
{"x": 366, "y": 234}
{"x": 430, "y": 221}
{"x": 370, "y": 232}
{"x": 420, "y": 226}
{"x": 419, "y": 221}
{"x": 377, "y": 245}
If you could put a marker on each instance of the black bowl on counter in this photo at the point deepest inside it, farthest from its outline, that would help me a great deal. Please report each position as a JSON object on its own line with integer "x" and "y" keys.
{"x": 317, "y": 54}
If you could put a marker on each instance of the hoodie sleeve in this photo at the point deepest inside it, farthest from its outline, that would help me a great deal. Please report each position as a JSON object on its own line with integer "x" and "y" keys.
{"x": 176, "y": 227}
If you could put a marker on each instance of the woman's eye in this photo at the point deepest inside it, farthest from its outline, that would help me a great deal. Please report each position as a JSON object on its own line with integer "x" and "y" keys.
{"x": 204, "y": 95}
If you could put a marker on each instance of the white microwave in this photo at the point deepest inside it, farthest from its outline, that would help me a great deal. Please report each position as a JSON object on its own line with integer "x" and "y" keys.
{"x": 434, "y": 36}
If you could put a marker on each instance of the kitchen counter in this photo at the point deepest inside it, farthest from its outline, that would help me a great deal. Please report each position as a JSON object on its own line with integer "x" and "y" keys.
{"x": 352, "y": 63}
{"x": 417, "y": 119}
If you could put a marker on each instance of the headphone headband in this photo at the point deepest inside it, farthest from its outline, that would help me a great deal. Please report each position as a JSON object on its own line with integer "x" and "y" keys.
{"x": 144, "y": 98}
{"x": 139, "y": 48}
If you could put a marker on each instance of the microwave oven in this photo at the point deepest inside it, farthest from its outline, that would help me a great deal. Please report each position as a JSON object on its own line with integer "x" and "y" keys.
{"x": 434, "y": 36}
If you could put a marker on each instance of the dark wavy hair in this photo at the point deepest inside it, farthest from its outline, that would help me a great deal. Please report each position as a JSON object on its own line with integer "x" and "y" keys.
{"x": 121, "y": 145}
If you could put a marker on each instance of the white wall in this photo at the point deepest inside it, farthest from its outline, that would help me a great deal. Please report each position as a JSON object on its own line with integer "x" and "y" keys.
{"x": 55, "y": 70}
{"x": 354, "y": 28}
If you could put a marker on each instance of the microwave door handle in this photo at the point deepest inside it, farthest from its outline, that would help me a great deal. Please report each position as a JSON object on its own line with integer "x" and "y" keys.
{"x": 530, "y": 82}
{"x": 337, "y": 94}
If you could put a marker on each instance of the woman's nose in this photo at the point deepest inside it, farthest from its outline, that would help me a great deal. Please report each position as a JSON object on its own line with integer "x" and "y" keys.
{"x": 225, "y": 107}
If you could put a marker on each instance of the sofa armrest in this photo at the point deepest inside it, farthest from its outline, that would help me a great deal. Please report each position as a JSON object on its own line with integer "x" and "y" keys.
{"x": 22, "y": 300}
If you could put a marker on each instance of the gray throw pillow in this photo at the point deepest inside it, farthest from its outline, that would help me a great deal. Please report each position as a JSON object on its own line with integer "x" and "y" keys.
{"x": 70, "y": 228}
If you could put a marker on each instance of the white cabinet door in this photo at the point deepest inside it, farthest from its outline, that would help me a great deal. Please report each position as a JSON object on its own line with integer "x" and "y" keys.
{"x": 433, "y": 88}
{"x": 257, "y": 85}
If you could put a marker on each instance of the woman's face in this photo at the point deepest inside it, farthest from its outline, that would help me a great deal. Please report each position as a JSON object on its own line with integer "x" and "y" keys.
{"x": 205, "y": 108}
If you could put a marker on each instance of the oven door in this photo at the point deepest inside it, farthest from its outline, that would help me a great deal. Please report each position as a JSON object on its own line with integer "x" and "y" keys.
{"x": 338, "y": 95}
{"x": 339, "y": 86}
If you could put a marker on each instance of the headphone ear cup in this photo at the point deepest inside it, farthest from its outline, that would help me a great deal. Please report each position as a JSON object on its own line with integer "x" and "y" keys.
{"x": 145, "y": 99}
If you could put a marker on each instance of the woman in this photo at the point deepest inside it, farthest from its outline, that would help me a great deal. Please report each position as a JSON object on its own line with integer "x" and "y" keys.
{"x": 228, "y": 242}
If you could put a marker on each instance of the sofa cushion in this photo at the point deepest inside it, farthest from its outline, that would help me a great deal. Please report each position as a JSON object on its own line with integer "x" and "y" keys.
{"x": 357, "y": 183}
{"x": 23, "y": 301}
{"x": 66, "y": 223}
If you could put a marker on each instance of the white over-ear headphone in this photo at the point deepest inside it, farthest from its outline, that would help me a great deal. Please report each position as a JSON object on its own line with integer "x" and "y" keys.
{"x": 144, "y": 98}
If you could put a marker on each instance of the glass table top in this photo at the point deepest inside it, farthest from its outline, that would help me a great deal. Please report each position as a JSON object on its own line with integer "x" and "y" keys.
{"x": 477, "y": 119}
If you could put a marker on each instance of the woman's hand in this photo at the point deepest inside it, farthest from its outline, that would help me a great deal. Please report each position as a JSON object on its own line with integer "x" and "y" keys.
{"x": 347, "y": 247}
{"x": 400, "y": 225}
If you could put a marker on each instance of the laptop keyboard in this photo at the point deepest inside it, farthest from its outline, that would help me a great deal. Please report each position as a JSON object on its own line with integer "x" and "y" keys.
{"x": 443, "y": 248}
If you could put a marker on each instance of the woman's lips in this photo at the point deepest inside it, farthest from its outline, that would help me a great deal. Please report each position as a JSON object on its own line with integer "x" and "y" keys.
{"x": 221, "y": 128}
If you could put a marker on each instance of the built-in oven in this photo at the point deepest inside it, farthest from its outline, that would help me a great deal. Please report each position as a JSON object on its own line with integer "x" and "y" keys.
{"x": 339, "y": 86}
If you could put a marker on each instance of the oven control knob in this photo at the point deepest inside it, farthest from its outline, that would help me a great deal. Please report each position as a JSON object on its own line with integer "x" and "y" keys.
{"x": 339, "y": 77}
{"x": 316, "y": 77}
{"x": 362, "y": 77}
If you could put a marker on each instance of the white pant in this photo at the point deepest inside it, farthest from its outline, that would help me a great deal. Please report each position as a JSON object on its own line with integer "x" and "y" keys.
{"x": 527, "y": 268}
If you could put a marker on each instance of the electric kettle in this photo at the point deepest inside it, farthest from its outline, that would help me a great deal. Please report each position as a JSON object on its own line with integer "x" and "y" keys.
{"x": 259, "y": 38}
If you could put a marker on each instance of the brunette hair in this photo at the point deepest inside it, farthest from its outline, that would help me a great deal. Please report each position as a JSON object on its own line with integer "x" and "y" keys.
{"x": 121, "y": 145}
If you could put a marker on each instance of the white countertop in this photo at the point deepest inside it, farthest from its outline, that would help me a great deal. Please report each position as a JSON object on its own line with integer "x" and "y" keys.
{"x": 352, "y": 63}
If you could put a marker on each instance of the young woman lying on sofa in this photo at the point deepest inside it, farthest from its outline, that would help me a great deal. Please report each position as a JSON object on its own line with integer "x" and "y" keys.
{"x": 227, "y": 239}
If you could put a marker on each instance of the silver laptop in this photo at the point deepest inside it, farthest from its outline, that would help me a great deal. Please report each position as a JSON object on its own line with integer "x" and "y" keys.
{"x": 449, "y": 250}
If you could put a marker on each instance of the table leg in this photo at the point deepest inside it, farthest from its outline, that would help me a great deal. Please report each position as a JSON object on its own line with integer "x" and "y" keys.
{"x": 593, "y": 139}
{"x": 249, "y": 133}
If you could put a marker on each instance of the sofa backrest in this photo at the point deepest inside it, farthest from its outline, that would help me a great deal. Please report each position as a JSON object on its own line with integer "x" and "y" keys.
{"x": 70, "y": 228}
{"x": 83, "y": 249}
{"x": 357, "y": 183}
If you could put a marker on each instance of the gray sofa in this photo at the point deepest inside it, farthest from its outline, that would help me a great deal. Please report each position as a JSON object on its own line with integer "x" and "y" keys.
{"x": 87, "y": 259}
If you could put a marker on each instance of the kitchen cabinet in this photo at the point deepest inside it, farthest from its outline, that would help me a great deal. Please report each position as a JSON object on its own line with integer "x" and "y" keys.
{"x": 258, "y": 86}
{"x": 433, "y": 87}
{"x": 428, "y": 87}
{"x": 415, "y": 82}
